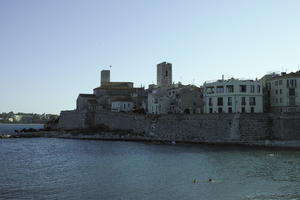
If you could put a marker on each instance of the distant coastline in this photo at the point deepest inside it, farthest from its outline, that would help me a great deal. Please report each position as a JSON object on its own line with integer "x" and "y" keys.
{"x": 20, "y": 123}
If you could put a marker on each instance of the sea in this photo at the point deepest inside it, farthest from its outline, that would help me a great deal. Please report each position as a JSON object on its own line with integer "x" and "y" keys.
{"x": 49, "y": 168}
{"x": 12, "y": 128}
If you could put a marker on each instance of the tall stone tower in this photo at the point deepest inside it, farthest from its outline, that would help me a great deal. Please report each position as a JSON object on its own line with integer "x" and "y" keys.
{"x": 105, "y": 76}
{"x": 164, "y": 74}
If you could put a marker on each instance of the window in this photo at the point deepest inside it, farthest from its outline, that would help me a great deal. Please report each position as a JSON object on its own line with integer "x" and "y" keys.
{"x": 243, "y": 110}
{"x": 276, "y": 83}
{"x": 220, "y": 110}
{"x": 258, "y": 89}
{"x": 229, "y": 110}
{"x": 276, "y": 100}
{"x": 210, "y": 102}
{"x": 210, "y": 110}
{"x": 220, "y": 89}
{"x": 280, "y": 100}
{"x": 280, "y": 82}
{"x": 252, "y": 101}
{"x": 243, "y": 100}
{"x": 252, "y": 109}
{"x": 276, "y": 91}
{"x": 292, "y": 83}
{"x": 210, "y": 90}
{"x": 252, "y": 88}
{"x": 243, "y": 88}
{"x": 292, "y": 92}
{"x": 220, "y": 101}
{"x": 166, "y": 73}
{"x": 229, "y": 101}
{"x": 229, "y": 88}
{"x": 280, "y": 91}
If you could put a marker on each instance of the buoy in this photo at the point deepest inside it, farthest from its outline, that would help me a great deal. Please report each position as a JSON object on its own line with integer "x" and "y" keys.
{"x": 210, "y": 180}
{"x": 194, "y": 181}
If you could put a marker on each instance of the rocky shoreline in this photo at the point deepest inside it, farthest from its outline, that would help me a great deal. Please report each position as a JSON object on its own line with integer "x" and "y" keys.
{"x": 124, "y": 136}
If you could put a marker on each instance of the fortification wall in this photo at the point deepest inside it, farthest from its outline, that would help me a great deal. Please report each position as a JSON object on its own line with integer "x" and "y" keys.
{"x": 122, "y": 121}
{"x": 73, "y": 120}
{"x": 255, "y": 126}
{"x": 196, "y": 127}
{"x": 286, "y": 126}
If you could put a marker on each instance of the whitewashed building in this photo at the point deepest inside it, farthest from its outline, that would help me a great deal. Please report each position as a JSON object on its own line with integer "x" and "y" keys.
{"x": 121, "y": 106}
{"x": 158, "y": 102}
{"x": 233, "y": 96}
{"x": 283, "y": 92}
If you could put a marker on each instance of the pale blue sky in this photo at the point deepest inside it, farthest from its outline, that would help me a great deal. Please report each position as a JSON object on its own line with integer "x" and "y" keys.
{"x": 52, "y": 50}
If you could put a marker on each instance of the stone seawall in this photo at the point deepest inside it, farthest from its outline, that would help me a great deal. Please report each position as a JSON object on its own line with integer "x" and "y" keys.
{"x": 204, "y": 127}
{"x": 286, "y": 126}
{"x": 194, "y": 128}
{"x": 73, "y": 120}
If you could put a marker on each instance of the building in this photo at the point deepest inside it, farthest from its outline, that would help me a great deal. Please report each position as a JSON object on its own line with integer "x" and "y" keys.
{"x": 109, "y": 92}
{"x": 233, "y": 96}
{"x": 176, "y": 99}
{"x": 169, "y": 98}
{"x": 122, "y": 106}
{"x": 164, "y": 74}
{"x": 158, "y": 101}
{"x": 282, "y": 92}
{"x": 187, "y": 99}
{"x": 85, "y": 101}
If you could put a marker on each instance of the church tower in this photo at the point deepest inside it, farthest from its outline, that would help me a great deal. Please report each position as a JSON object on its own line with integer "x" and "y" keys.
{"x": 105, "y": 76}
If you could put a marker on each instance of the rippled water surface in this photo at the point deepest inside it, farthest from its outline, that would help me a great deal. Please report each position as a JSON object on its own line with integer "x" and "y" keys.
{"x": 10, "y": 128}
{"x": 42, "y": 168}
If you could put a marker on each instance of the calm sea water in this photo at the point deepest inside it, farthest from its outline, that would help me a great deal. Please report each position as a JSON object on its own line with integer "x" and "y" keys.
{"x": 10, "y": 128}
{"x": 44, "y": 168}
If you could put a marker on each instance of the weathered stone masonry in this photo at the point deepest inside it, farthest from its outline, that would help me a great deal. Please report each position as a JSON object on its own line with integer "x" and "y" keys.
{"x": 197, "y": 127}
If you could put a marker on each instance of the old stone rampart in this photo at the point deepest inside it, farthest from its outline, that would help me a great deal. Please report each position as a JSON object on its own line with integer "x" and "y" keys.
{"x": 195, "y": 127}
{"x": 73, "y": 119}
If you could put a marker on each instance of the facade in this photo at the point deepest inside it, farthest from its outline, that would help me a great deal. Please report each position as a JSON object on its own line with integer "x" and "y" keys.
{"x": 185, "y": 99}
{"x": 158, "y": 102}
{"x": 176, "y": 99}
{"x": 283, "y": 92}
{"x": 233, "y": 96}
{"x": 84, "y": 101}
{"x": 164, "y": 74}
{"x": 122, "y": 106}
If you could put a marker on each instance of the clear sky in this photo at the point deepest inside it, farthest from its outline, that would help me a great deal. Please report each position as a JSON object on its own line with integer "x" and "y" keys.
{"x": 52, "y": 50}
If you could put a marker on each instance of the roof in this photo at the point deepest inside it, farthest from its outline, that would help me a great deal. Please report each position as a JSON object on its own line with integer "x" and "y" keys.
{"x": 290, "y": 75}
{"x": 229, "y": 81}
{"x": 124, "y": 98}
{"x": 87, "y": 95}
